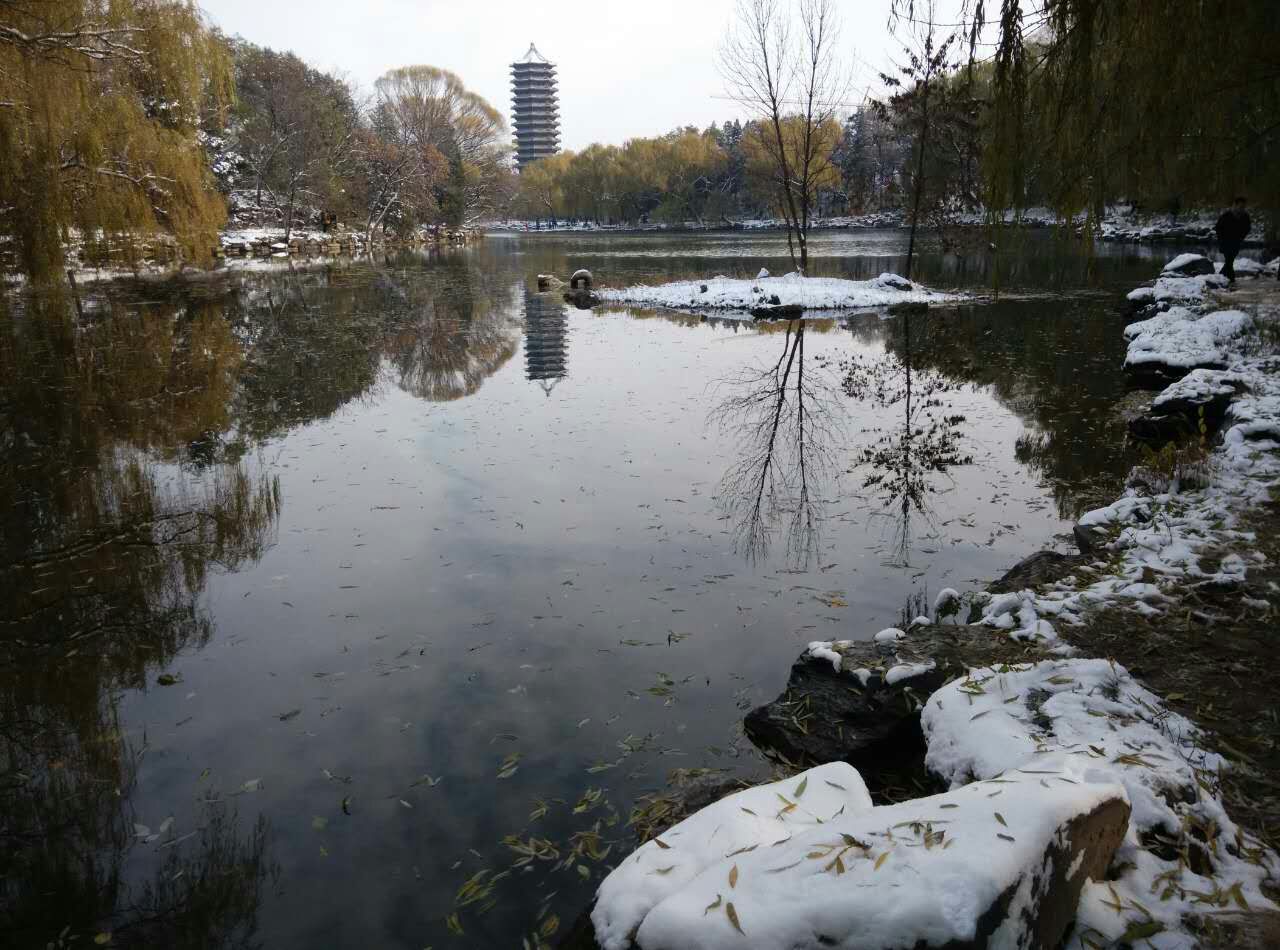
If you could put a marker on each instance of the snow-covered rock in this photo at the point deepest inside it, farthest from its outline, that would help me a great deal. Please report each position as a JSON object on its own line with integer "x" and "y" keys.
{"x": 1188, "y": 265}
{"x": 806, "y": 864}
{"x": 1169, "y": 345}
{"x": 1177, "y": 289}
{"x": 717, "y": 838}
{"x": 790, "y": 290}
{"x": 1088, "y": 721}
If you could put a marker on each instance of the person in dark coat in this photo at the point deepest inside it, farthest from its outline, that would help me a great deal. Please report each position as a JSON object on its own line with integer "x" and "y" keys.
{"x": 1232, "y": 227}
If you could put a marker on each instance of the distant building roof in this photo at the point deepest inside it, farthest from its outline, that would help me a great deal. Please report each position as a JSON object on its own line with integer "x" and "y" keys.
{"x": 533, "y": 56}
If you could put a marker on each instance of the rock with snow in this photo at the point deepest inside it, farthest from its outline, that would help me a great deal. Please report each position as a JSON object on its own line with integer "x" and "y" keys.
{"x": 764, "y": 272}
{"x": 1188, "y": 265}
{"x": 1088, "y": 721}
{"x": 714, "y": 839}
{"x": 806, "y": 864}
{"x": 1166, "y": 347}
{"x": 1194, "y": 405}
{"x": 1177, "y": 290}
{"x": 791, "y": 290}
{"x": 859, "y": 701}
{"x": 890, "y": 635}
{"x": 1043, "y": 567}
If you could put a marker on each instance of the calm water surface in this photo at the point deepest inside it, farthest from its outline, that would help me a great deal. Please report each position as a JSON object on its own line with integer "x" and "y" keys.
{"x": 324, "y": 592}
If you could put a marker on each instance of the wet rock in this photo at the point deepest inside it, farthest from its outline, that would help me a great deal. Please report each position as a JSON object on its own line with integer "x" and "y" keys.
{"x": 867, "y": 712}
{"x": 581, "y": 279}
{"x": 785, "y": 312}
{"x": 1091, "y": 541}
{"x": 582, "y": 299}
{"x": 1043, "y": 567}
{"x": 548, "y": 281}
{"x": 1199, "y": 399}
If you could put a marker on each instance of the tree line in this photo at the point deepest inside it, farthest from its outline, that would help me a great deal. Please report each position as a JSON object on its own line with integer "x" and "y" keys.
{"x": 127, "y": 117}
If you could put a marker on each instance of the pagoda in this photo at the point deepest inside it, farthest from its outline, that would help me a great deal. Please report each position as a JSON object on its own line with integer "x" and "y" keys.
{"x": 535, "y": 108}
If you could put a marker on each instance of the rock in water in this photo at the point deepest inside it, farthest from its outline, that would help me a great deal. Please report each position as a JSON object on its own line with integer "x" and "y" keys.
{"x": 1043, "y": 567}
{"x": 865, "y": 710}
{"x": 807, "y": 864}
{"x": 1200, "y": 397}
{"x": 581, "y": 280}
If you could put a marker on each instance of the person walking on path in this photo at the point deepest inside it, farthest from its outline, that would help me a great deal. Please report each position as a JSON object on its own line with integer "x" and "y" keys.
{"x": 1232, "y": 227}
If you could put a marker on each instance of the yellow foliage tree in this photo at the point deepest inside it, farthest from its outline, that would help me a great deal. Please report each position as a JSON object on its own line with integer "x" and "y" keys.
{"x": 100, "y": 108}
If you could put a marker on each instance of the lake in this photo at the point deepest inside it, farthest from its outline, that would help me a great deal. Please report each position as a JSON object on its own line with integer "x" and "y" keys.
{"x": 358, "y": 606}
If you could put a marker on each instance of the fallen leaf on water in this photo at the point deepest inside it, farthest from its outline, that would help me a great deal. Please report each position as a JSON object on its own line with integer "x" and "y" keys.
{"x": 1000, "y": 818}
{"x": 733, "y": 876}
{"x": 285, "y": 717}
{"x": 881, "y": 860}
{"x": 713, "y": 905}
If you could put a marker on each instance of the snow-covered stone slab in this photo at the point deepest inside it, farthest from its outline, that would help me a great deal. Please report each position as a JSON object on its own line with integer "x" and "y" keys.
{"x": 713, "y": 840}
{"x": 790, "y": 290}
{"x": 1202, "y": 396}
{"x": 1168, "y": 346}
{"x": 1188, "y": 265}
{"x": 1177, "y": 289}
{"x": 993, "y": 864}
{"x": 1089, "y": 722}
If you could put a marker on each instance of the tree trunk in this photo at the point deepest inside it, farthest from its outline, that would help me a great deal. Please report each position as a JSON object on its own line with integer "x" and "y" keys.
{"x": 288, "y": 221}
{"x": 919, "y": 182}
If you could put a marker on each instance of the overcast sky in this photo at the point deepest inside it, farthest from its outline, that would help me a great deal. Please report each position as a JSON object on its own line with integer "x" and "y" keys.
{"x": 639, "y": 67}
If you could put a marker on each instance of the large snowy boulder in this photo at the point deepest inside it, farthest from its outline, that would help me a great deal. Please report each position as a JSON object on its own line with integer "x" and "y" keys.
{"x": 1177, "y": 290}
{"x": 1089, "y": 722}
{"x": 807, "y": 864}
{"x": 1168, "y": 346}
{"x": 1188, "y": 265}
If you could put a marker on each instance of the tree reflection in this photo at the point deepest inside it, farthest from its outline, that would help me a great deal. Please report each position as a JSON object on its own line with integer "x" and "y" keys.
{"x": 107, "y": 546}
{"x": 903, "y": 465}
{"x": 455, "y": 332}
{"x": 782, "y": 417}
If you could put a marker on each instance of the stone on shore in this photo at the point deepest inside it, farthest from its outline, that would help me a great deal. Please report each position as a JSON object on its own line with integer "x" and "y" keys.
{"x": 1195, "y": 404}
{"x": 808, "y": 863}
{"x": 859, "y": 701}
{"x": 1168, "y": 346}
{"x": 1188, "y": 265}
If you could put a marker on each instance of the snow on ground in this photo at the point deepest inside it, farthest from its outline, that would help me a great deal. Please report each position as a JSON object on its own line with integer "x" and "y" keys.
{"x": 812, "y": 293}
{"x": 1088, "y": 721}
{"x": 807, "y": 863}
{"x": 1163, "y": 524}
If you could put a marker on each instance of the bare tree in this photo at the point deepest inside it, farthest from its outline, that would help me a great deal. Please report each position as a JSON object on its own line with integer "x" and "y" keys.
{"x": 787, "y": 424}
{"x": 779, "y": 61}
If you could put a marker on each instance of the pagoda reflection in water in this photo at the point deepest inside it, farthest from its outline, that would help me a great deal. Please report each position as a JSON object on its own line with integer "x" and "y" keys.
{"x": 546, "y": 351}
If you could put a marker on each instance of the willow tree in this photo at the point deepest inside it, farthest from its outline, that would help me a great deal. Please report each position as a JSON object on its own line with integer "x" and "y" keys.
{"x": 1096, "y": 100}
{"x": 100, "y": 105}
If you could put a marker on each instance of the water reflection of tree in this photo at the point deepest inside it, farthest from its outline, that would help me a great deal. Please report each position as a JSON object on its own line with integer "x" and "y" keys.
{"x": 782, "y": 416}
{"x": 457, "y": 329}
{"x": 1053, "y": 367}
{"x": 104, "y": 553}
{"x": 904, "y": 464}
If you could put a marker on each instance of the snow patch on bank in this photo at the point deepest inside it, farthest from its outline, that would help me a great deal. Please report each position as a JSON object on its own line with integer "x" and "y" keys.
{"x": 812, "y": 293}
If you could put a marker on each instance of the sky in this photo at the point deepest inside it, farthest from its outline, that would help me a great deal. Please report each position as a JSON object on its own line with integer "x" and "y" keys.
{"x": 626, "y": 67}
